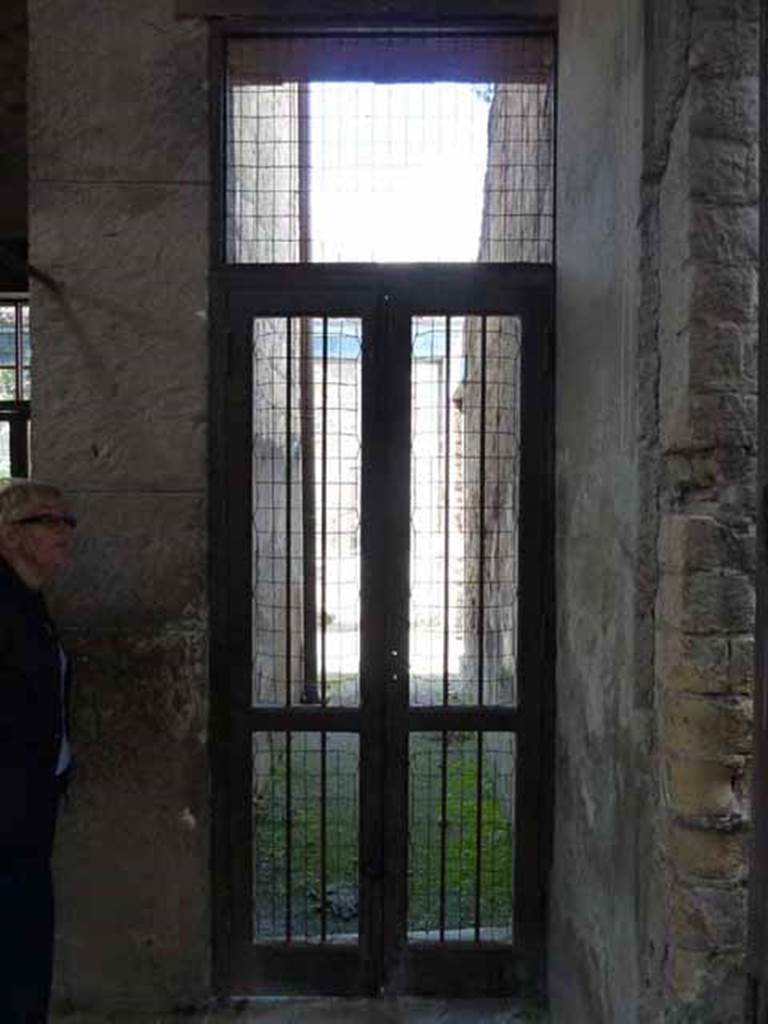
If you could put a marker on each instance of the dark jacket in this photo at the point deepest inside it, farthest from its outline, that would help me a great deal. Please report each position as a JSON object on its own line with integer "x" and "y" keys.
{"x": 30, "y": 716}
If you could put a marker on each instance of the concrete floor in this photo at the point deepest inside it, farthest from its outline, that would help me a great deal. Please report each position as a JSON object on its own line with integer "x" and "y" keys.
{"x": 338, "y": 1011}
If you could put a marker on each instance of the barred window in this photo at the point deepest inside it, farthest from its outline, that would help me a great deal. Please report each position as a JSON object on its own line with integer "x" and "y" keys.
{"x": 355, "y": 150}
{"x": 15, "y": 351}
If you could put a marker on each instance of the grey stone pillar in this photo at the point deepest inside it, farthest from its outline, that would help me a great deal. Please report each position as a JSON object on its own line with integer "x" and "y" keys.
{"x": 118, "y": 220}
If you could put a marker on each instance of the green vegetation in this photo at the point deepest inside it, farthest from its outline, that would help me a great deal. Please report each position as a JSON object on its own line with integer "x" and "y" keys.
{"x": 460, "y": 846}
{"x": 430, "y": 856}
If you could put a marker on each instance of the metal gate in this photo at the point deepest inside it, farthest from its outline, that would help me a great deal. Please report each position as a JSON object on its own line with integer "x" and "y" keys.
{"x": 382, "y": 574}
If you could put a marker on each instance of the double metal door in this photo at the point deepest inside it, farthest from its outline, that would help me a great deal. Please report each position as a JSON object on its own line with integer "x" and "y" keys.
{"x": 382, "y": 598}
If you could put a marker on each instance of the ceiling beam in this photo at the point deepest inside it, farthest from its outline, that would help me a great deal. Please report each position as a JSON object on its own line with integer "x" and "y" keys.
{"x": 356, "y": 15}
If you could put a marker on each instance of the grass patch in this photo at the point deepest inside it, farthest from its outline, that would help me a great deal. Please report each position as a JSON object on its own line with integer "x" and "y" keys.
{"x": 457, "y": 855}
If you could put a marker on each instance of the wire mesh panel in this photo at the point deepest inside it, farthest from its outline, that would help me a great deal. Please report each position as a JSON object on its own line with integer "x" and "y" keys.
{"x": 306, "y": 519}
{"x": 305, "y": 837}
{"x": 356, "y": 150}
{"x": 461, "y": 836}
{"x": 465, "y": 461}
{"x": 384, "y": 832}
{"x": 15, "y": 351}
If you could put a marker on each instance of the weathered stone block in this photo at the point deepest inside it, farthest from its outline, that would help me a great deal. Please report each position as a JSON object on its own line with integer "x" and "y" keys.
{"x": 707, "y": 918}
{"x": 117, "y": 92}
{"x": 725, "y": 294}
{"x": 720, "y": 356}
{"x": 704, "y": 664}
{"x": 750, "y": 358}
{"x": 724, "y": 108}
{"x": 725, "y": 234}
{"x": 707, "y": 987}
{"x": 133, "y": 848}
{"x": 699, "y": 788}
{"x": 718, "y": 420}
{"x": 690, "y": 543}
{"x": 134, "y": 687}
{"x": 721, "y": 170}
{"x": 741, "y": 665}
{"x": 711, "y": 854}
{"x": 123, "y": 338}
{"x": 724, "y": 39}
{"x": 137, "y": 559}
{"x": 722, "y": 483}
{"x": 724, "y": 420}
{"x": 708, "y": 728}
{"x": 706, "y": 602}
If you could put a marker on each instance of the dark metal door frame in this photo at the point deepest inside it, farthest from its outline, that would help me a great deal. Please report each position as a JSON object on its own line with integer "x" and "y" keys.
{"x": 386, "y": 298}
{"x": 17, "y": 415}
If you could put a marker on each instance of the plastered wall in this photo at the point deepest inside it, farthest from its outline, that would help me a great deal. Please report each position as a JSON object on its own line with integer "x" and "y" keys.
{"x": 604, "y": 864}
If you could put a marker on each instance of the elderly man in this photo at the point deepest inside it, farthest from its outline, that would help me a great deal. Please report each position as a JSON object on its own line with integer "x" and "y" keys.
{"x": 36, "y": 527}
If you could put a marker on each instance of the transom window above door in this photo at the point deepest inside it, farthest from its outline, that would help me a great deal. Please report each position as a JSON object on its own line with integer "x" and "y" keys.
{"x": 369, "y": 150}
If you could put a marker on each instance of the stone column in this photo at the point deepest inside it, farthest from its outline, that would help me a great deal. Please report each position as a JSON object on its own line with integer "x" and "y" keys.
{"x": 119, "y": 229}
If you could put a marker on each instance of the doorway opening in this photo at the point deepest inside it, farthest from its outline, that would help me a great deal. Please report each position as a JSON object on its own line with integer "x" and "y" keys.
{"x": 386, "y": 387}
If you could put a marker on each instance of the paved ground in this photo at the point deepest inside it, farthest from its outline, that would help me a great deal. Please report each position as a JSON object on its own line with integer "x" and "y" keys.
{"x": 343, "y": 1011}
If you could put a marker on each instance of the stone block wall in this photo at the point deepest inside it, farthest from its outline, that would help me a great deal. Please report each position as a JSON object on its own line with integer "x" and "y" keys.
{"x": 704, "y": 231}
{"x": 657, "y": 266}
{"x": 119, "y": 227}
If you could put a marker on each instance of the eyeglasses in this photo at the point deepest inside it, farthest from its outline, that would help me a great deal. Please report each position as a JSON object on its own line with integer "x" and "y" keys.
{"x": 51, "y": 519}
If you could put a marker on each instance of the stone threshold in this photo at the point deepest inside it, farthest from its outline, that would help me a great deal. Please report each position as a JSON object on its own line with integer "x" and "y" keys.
{"x": 335, "y": 1011}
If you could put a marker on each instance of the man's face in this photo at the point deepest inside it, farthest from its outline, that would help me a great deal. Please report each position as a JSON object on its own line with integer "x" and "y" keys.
{"x": 42, "y": 537}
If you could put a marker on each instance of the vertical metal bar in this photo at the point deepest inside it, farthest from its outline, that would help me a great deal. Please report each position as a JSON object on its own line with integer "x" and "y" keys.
{"x": 306, "y": 760}
{"x": 481, "y": 503}
{"x": 460, "y": 843}
{"x": 274, "y": 817}
{"x": 305, "y": 173}
{"x": 18, "y": 426}
{"x": 323, "y": 835}
{"x": 288, "y": 835}
{"x": 446, "y": 611}
{"x": 323, "y": 627}
{"x": 372, "y": 704}
{"x": 447, "y": 510}
{"x": 306, "y": 375}
{"x": 395, "y": 549}
{"x": 308, "y": 513}
{"x": 324, "y": 520}
{"x": 534, "y": 784}
{"x": 288, "y": 509}
{"x": 19, "y": 375}
{"x": 231, "y": 510}
{"x": 384, "y": 642}
{"x": 443, "y": 830}
{"x": 478, "y": 833}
